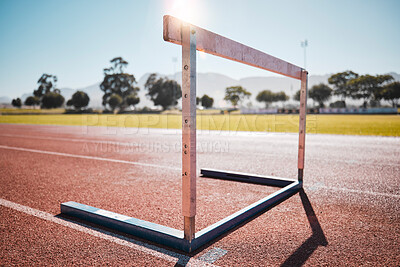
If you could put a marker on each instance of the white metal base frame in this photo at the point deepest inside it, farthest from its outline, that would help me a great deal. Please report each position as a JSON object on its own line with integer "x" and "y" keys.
{"x": 174, "y": 238}
{"x": 194, "y": 38}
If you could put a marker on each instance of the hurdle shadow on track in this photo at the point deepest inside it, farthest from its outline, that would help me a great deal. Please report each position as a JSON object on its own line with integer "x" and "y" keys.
{"x": 302, "y": 253}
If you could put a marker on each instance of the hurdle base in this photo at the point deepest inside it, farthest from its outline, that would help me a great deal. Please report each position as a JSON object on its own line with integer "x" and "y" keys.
{"x": 247, "y": 178}
{"x": 173, "y": 238}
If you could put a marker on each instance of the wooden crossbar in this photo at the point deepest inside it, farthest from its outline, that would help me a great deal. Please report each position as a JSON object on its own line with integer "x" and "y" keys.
{"x": 218, "y": 45}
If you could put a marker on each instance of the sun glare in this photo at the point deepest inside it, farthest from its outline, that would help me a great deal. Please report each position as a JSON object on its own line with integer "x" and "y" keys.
{"x": 187, "y": 10}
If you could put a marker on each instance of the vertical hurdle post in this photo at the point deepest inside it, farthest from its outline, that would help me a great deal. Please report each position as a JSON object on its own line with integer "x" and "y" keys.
{"x": 302, "y": 123}
{"x": 188, "y": 130}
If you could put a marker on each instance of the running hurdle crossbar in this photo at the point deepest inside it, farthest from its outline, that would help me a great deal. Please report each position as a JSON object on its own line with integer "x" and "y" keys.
{"x": 193, "y": 38}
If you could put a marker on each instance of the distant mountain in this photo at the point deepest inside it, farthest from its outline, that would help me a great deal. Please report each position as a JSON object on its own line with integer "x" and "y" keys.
{"x": 5, "y": 100}
{"x": 67, "y": 93}
{"x": 24, "y": 97}
{"x": 212, "y": 84}
{"x": 395, "y": 75}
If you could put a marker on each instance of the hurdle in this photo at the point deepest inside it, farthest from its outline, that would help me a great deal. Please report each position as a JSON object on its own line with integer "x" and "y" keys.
{"x": 193, "y": 39}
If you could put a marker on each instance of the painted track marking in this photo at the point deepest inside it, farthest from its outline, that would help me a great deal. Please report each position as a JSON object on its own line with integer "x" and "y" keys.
{"x": 69, "y": 139}
{"x": 136, "y": 145}
{"x": 213, "y": 255}
{"x": 109, "y": 236}
{"x": 87, "y": 157}
{"x": 346, "y": 190}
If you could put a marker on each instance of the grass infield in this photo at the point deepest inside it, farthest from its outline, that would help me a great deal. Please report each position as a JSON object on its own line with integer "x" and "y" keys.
{"x": 383, "y": 125}
{"x": 32, "y": 111}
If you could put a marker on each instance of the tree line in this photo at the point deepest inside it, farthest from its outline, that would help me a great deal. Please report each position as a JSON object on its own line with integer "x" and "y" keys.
{"x": 371, "y": 89}
{"x": 120, "y": 91}
{"x": 119, "y": 88}
{"x": 348, "y": 84}
{"x": 47, "y": 95}
{"x": 237, "y": 94}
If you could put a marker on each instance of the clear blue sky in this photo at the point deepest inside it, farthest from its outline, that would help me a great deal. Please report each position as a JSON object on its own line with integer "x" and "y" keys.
{"x": 76, "y": 39}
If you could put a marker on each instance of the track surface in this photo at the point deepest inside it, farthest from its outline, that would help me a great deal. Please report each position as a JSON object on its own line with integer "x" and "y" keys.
{"x": 348, "y": 214}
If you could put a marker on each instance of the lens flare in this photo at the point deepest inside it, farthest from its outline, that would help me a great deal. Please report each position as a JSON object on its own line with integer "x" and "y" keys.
{"x": 187, "y": 10}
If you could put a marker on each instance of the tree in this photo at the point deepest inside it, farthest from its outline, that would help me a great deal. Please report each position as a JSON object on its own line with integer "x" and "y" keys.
{"x": 267, "y": 97}
{"x": 338, "y": 104}
{"x": 340, "y": 82}
{"x": 236, "y": 94}
{"x": 32, "y": 101}
{"x": 47, "y": 93}
{"x": 281, "y": 97}
{"x": 383, "y": 80}
{"x": 320, "y": 93}
{"x": 207, "y": 101}
{"x": 16, "y": 102}
{"x": 162, "y": 91}
{"x": 198, "y": 100}
{"x": 116, "y": 82}
{"x": 79, "y": 100}
{"x": 391, "y": 92}
{"x": 114, "y": 101}
{"x": 368, "y": 87}
{"x": 46, "y": 84}
{"x": 297, "y": 96}
{"x": 52, "y": 100}
{"x": 132, "y": 100}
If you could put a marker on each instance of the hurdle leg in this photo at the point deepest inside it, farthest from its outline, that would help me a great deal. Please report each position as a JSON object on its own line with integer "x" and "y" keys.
{"x": 302, "y": 123}
{"x": 189, "y": 130}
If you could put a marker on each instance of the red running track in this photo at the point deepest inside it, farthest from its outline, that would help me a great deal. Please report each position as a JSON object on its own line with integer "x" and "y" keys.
{"x": 348, "y": 214}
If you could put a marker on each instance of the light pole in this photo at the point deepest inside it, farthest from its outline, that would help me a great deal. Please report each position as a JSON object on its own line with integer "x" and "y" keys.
{"x": 304, "y": 44}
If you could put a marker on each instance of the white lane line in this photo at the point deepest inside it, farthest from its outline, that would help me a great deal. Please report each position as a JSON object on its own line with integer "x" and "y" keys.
{"x": 348, "y": 190}
{"x": 112, "y": 237}
{"x": 70, "y": 139}
{"x": 269, "y": 155}
{"x": 174, "y": 168}
{"x": 213, "y": 255}
{"x": 87, "y": 157}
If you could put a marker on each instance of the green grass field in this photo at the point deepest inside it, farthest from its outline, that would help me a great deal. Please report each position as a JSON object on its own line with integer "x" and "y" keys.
{"x": 31, "y": 111}
{"x": 383, "y": 125}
